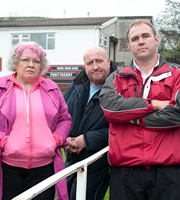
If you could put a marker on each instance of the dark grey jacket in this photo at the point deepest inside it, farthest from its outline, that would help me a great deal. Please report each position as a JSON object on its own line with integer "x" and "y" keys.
{"x": 88, "y": 120}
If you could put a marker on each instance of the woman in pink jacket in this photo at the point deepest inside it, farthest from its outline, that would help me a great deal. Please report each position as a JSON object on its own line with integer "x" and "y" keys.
{"x": 34, "y": 123}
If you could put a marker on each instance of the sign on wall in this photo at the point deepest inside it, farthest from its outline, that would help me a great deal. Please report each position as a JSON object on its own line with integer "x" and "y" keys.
{"x": 63, "y": 74}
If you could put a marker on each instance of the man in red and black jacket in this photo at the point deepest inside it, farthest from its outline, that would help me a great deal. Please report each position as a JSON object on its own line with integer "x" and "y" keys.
{"x": 142, "y": 104}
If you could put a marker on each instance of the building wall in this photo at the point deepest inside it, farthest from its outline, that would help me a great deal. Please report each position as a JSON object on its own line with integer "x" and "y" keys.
{"x": 108, "y": 31}
{"x": 70, "y": 44}
{"x": 123, "y": 55}
{"x": 72, "y": 41}
{"x": 118, "y": 30}
{"x": 4, "y": 50}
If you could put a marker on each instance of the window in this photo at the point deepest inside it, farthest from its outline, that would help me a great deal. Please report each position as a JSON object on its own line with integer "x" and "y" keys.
{"x": 51, "y": 41}
{"x": 101, "y": 39}
{"x": 46, "y": 40}
{"x": 15, "y": 39}
{"x": 40, "y": 38}
{"x": 105, "y": 40}
{"x": 25, "y": 38}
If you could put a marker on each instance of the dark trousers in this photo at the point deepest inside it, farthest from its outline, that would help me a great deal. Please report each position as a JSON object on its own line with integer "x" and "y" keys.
{"x": 17, "y": 180}
{"x": 97, "y": 184}
{"x": 138, "y": 183}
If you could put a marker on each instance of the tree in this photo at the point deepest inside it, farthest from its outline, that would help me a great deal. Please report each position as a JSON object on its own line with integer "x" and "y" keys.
{"x": 171, "y": 55}
{"x": 168, "y": 24}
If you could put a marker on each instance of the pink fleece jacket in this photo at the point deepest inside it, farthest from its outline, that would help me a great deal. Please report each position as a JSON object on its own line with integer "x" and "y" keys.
{"x": 29, "y": 128}
{"x": 56, "y": 114}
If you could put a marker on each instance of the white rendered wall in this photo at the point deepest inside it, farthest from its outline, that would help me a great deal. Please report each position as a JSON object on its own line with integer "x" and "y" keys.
{"x": 70, "y": 44}
{"x": 5, "y": 46}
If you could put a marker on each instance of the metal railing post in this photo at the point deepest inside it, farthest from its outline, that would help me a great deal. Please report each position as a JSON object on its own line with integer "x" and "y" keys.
{"x": 81, "y": 183}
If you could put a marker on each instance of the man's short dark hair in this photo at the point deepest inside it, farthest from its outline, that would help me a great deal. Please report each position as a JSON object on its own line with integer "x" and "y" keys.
{"x": 140, "y": 21}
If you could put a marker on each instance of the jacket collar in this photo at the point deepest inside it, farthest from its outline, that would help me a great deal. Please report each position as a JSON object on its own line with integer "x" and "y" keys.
{"x": 158, "y": 70}
{"x": 5, "y": 82}
{"x": 162, "y": 61}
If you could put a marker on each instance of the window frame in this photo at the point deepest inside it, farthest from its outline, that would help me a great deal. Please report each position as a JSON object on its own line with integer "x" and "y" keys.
{"x": 105, "y": 43}
{"x": 20, "y": 37}
{"x": 101, "y": 39}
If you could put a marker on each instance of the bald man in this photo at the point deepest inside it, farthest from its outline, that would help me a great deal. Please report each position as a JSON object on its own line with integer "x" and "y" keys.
{"x": 89, "y": 132}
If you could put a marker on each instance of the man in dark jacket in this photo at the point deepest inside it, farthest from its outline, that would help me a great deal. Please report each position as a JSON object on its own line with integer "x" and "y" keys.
{"x": 89, "y": 132}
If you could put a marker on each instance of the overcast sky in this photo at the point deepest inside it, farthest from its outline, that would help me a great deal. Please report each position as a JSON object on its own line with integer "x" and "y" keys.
{"x": 81, "y": 8}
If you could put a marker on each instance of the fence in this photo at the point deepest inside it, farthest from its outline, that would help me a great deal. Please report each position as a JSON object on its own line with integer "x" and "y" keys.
{"x": 80, "y": 168}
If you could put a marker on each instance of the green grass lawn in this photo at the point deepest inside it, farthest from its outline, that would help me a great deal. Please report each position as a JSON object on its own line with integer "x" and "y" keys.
{"x": 107, "y": 195}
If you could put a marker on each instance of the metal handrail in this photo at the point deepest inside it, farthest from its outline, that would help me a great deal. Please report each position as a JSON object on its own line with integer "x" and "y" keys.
{"x": 79, "y": 167}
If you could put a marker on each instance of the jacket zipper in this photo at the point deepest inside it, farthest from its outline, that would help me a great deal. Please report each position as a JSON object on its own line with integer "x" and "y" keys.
{"x": 29, "y": 132}
{"x": 137, "y": 78}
